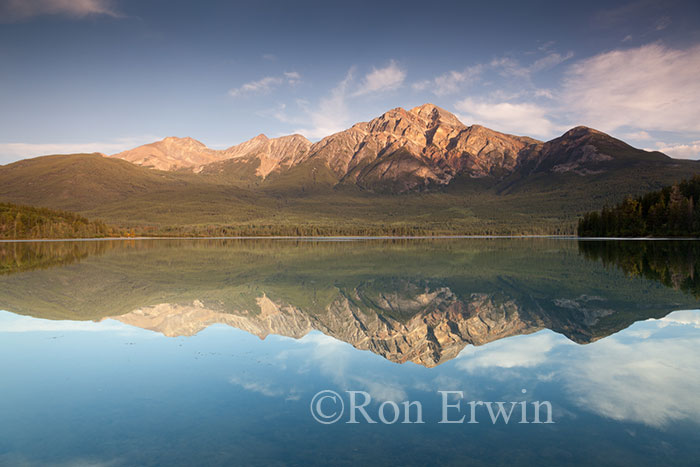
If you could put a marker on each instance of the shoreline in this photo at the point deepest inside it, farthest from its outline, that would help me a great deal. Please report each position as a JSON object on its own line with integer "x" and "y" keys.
{"x": 351, "y": 238}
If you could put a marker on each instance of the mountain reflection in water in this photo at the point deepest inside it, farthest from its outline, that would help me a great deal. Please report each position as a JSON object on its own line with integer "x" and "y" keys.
{"x": 406, "y": 300}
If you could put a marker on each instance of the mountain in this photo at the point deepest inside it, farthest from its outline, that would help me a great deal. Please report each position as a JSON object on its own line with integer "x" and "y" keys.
{"x": 584, "y": 151}
{"x": 406, "y": 171}
{"x": 403, "y": 149}
{"x": 417, "y": 148}
{"x": 439, "y": 327}
{"x": 406, "y": 301}
{"x": 174, "y": 153}
{"x": 270, "y": 154}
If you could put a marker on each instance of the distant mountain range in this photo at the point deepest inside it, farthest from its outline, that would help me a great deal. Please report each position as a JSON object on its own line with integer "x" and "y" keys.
{"x": 402, "y": 170}
{"x": 401, "y": 150}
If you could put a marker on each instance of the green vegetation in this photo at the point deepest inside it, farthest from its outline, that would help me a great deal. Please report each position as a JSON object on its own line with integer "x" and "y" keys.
{"x": 307, "y": 200}
{"x": 673, "y": 211}
{"x": 672, "y": 263}
{"x": 548, "y": 281}
{"x": 29, "y": 222}
{"x": 19, "y": 257}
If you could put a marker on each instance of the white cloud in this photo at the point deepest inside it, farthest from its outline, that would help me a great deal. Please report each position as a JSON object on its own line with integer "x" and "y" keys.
{"x": 266, "y": 84}
{"x": 685, "y": 317}
{"x": 680, "y": 151}
{"x": 18, "y": 10}
{"x": 381, "y": 391}
{"x": 549, "y": 61}
{"x": 511, "y": 68}
{"x": 448, "y": 83}
{"x": 637, "y": 135}
{"x": 546, "y": 93}
{"x": 264, "y": 387}
{"x": 645, "y": 374}
{"x": 519, "y": 118}
{"x": 9, "y": 322}
{"x": 331, "y": 115}
{"x": 651, "y": 87}
{"x": 293, "y": 78}
{"x": 261, "y": 86}
{"x": 652, "y": 381}
{"x": 388, "y": 78}
{"x": 521, "y": 351}
{"x": 15, "y": 151}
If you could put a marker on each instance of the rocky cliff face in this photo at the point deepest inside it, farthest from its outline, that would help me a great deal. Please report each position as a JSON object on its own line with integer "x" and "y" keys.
{"x": 420, "y": 147}
{"x": 401, "y": 150}
{"x": 172, "y": 153}
{"x": 432, "y": 324}
{"x": 267, "y": 154}
{"x": 272, "y": 154}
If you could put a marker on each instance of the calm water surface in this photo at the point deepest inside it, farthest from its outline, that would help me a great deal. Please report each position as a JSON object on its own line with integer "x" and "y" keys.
{"x": 203, "y": 352}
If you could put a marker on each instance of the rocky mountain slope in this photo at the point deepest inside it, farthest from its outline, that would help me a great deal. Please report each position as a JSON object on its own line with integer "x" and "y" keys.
{"x": 403, "y": 150}
{"x": 440, "y": 325}
{"x": 418, "y": 171}
{"x": 172, "y": 153}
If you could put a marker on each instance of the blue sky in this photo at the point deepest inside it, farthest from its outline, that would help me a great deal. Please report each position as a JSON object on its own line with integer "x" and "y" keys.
{"x": 101, "y": 75}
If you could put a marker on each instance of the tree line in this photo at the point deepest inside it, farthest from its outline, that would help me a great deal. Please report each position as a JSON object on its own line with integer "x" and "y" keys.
{"x": 28, "y": 222}
{"x": 675, "y": 263}
{"x": 673, "y": 211}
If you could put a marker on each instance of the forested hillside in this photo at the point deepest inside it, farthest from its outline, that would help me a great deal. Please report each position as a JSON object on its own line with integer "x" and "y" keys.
{"x": 19, "y": 222}
{"x": 670, "y": 212}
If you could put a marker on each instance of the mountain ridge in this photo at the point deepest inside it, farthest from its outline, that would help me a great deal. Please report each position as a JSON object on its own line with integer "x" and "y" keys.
{"x": 418, "y": 171}
{"x": 402, "y": 150}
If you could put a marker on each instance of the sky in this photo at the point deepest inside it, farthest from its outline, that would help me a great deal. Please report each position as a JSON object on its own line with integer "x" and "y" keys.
{"x": 109, "y": 75}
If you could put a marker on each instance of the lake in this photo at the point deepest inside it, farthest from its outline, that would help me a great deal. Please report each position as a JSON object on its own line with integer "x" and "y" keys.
{"x": 368, "y": 351}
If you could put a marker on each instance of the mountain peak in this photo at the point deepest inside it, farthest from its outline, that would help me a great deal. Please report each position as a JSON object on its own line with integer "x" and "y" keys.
{"x": 176, "y": 139}
{"x": 581, "y": 130}
{"x": 436, "y": 114}
{"x": 171, "y": 153}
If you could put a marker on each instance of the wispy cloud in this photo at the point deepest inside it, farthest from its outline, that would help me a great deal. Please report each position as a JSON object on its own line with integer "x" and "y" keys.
{"x": 513, "y": 117}
{"x": 549, "y": 61}
{"x": 10, "y": 322}
{"x": 293, "y": 78}
{"x": 262, "y": 387}
{"x": 20, "y": 10}
{"x": 663, "y": 23}
{"x": 680, "y": 150}
{"x": 651, "y": 87}
{"x": 509, "y": 67}
{"x": 653, "y": 380}
{"x": 522, "y": 351}
{"x": 18, "y": 150}
{"x": 637, "y": 135}
{"x": 450, "y": 82}
{"x": 331, "y": 115}
{"x": 384, "y": 79}
{"x": 266, "y": 84}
